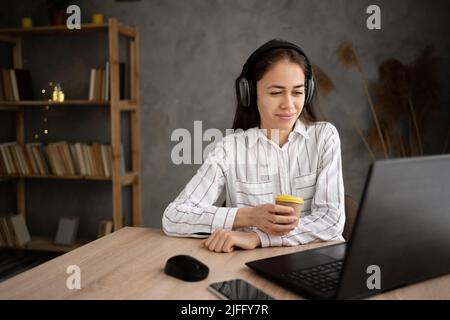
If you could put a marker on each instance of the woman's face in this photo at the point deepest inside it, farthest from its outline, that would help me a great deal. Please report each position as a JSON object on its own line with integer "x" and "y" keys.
{"x": 281, "y": 95}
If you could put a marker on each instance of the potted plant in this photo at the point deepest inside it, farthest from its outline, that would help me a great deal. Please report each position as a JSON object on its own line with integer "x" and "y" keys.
{"x": 57, "y": 11}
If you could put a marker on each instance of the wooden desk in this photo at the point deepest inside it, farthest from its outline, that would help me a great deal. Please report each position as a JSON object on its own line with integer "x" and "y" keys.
{"x": 128, "y": 264}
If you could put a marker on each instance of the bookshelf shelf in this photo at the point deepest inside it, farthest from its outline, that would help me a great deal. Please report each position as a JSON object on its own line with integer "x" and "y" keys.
{"x": 122, "y": 105}
{"x": 113, "y": 30}
{"x": 63, "y": 30}
{"x": 64, "y": 177}
{"x": 125, "y": 180}
{"x": 47, "y": 244}
{"x": 42, "y": 103}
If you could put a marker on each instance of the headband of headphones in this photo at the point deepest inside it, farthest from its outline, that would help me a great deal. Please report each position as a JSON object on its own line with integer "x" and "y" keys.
{"x": 244, "y": 86}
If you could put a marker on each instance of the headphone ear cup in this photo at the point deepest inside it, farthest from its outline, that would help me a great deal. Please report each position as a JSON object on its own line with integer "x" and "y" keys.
{"x": 251, "y": 93}
{"x": 243, "y": 91}
{"x": 310, "y": 90}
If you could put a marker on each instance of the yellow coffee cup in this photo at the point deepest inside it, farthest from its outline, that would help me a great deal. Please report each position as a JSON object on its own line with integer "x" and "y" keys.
{"x": 291, "y": 201}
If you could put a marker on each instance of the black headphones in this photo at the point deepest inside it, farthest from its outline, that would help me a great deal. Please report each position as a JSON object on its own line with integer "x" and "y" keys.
{"x": 246, "y": 89}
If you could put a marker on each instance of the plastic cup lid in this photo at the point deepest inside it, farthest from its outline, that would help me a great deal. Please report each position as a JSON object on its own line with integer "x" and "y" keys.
{"x": 288, "y": 198}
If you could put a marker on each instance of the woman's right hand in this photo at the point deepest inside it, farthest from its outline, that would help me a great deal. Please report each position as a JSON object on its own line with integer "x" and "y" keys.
{"x": 273, "y": 219}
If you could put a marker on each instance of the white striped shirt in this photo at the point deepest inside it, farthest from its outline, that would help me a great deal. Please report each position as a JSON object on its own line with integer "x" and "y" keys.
{"x": 253, "y": 170}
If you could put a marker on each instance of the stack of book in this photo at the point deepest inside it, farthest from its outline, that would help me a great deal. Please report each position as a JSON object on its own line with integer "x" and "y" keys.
{"x": 99, "y": 83}
{"x": 15, "y": 85}
{"x": 59, "y": 158}
{"x": 13, "y": 231}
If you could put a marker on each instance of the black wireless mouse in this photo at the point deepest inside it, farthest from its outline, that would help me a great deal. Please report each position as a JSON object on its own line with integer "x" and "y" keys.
{"x": 186, "y": 268}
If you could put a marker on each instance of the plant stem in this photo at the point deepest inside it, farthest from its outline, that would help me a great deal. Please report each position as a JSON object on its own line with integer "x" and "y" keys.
{"x": 374, "y": 114}
{"x": 361, "y": 135}
{"x": 388, "y": 142}
{"x": 446, "y": 142}
{"x": 365, "y": 142}
{"x": 402, "y": 146}
{"x": 414, "y": 118}
{"x": 410, "y": 139}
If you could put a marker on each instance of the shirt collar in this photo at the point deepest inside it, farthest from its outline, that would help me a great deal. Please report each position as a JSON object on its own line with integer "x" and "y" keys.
{"x": 300, "y": 128}
{"x": 255, "y": 133}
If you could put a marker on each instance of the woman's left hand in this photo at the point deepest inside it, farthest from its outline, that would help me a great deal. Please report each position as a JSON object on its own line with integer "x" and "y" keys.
{"x": 225, "y": 241}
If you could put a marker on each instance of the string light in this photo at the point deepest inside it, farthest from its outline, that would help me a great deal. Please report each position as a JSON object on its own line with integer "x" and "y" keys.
{"x": 54, "y": 94}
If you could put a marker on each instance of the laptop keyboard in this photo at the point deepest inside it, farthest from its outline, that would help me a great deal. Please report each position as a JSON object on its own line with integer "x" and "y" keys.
{"x": 323, "y": 278}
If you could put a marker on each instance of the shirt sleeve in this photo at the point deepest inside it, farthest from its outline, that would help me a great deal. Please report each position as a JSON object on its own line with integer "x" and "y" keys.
{"x": 192, "y": 213}
{"x": 327, "y": 218}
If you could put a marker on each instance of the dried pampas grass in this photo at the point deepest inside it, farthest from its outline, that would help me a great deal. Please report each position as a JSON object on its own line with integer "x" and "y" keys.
{"x": 347, "y": 56}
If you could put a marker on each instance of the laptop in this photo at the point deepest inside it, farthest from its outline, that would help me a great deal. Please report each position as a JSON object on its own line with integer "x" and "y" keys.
{"x": 401, "y": 236}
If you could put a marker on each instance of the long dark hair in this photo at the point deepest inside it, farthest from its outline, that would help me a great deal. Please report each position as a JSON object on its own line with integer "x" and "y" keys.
{"x": 248, "y": 117}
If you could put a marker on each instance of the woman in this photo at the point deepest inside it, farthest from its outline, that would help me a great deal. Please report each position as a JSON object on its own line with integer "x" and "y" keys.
{"x": 281, "y": 149}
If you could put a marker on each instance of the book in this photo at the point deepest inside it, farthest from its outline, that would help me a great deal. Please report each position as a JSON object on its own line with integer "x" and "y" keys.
{"x": 2, "y": 94}
{"x": 30, "y": 159}
{"x": 15, "y": 89}
{"x": 16, "y": 159}
{"x": 3, "y": 170}
{"x": 24, "y": 85}
{"x": 6, "y": 160}
{"x": 98, "y": 85}
{"x": 96, "y": 150}
{"x": 81, "y": 160}
{"x": 105, "y": 227}
{"x": 103, "y": 83}
{"x": 67, "y": 230}
{"x": 106, "y": 159}
{"x": 87, "y": 159}
{"x": 44, "y": 158}
{"x": 12, "y": 156}
{"x": 91, "y": 84}
{"x": 6, "y": 231}
{"x": 22, "y": 158}
{"x": 55, "y": 166}
{"x": 7, "y": 88}
{"x": 107, "y": 72}
{"x": 58, "y": 158}
{"x": 20, "y": 230}
{"x": 73, "y": 156}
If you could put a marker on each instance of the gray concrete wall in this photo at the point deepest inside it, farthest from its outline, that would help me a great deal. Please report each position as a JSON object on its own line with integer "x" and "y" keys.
{"x": 191, "y": 52}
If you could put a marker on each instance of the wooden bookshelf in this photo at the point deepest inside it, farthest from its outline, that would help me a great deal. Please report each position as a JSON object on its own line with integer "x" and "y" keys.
{"x": 113, "y": 29}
